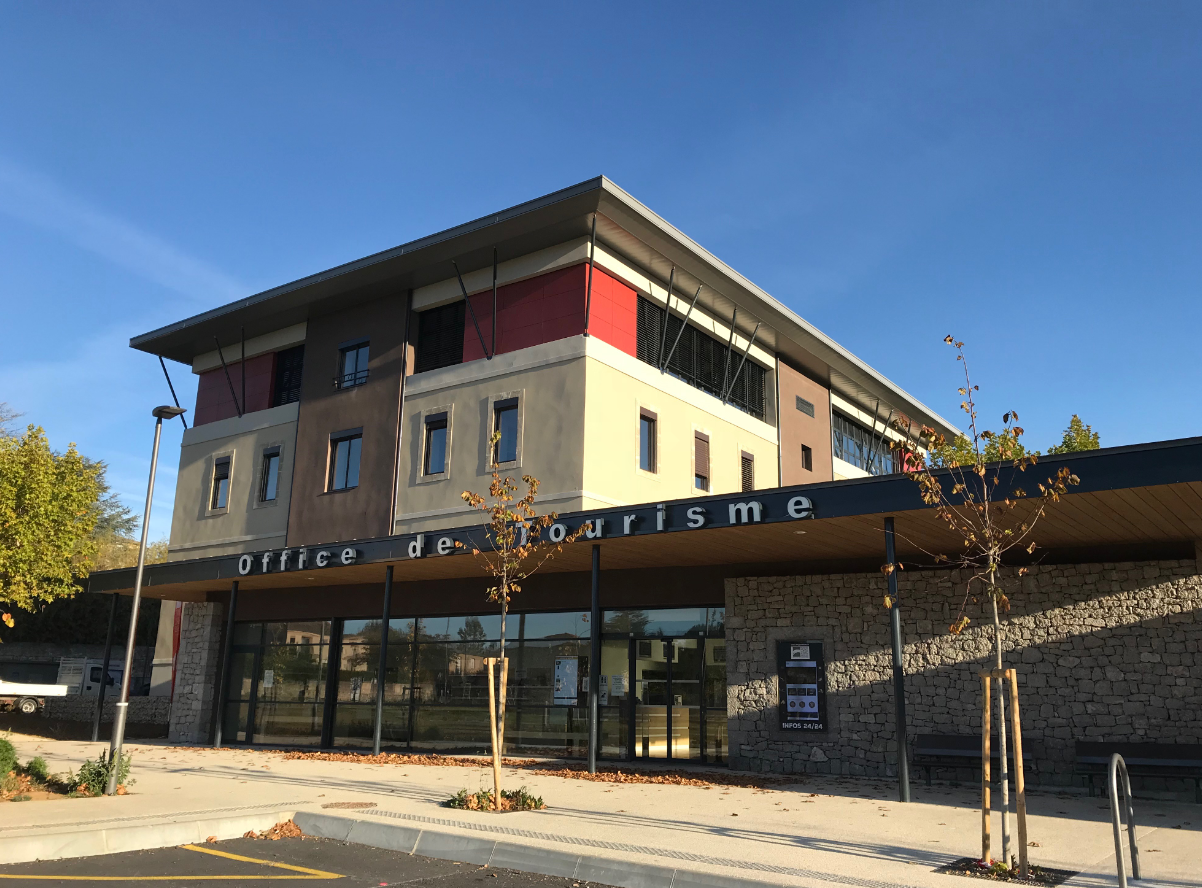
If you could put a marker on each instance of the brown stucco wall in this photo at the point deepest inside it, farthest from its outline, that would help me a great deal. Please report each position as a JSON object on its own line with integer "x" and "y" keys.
{"x": 316, "y": 515}
{"x": 796, "y": 428}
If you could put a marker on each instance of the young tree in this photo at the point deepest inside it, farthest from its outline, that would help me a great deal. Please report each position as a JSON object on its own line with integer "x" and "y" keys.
{"x": 512, "y": 550}
{"x": 972, "y": 485}
{"x": 1077, "y": 437}
{"x": 48, "y": 514}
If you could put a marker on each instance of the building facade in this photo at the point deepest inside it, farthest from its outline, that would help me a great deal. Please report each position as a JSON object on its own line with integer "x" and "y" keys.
{"x": 651, "y": 389}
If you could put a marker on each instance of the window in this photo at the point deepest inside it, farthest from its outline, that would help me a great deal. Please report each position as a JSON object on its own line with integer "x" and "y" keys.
{"x": 853, "y": 443}
{"x": 747, "y": 471}
{"x": 435, "y": 461}
{"x": 807, "y": 458}
{"x": 505, "y": 422}
{"x": 344, "y": 460}
{"x": 699, "y": 359}
{"x": 269, "y": 481}
{"x": 805, "y": 406}
{"x": 647, "y": 421}
{"x": 220, "y": 498}
{"x": 289, "y": 365}
{"x": 701, "y": 461}
{"x": 439, "y": 337}
{"x": 352, "y": 366}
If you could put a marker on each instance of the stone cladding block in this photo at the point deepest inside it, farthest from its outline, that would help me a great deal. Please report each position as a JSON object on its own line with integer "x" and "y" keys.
{"x": 197, "y": 663}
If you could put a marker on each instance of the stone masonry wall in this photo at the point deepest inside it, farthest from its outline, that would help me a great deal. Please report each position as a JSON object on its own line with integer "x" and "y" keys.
{"x": 1103, "y": 652}
{"x": 199, "y": 657}
{"x": 142, "y": 710}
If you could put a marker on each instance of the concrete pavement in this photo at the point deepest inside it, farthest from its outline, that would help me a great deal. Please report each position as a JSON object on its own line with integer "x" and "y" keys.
{"x": 820, "y": 831}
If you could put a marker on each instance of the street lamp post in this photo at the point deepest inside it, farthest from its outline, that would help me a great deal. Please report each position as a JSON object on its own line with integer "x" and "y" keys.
{"x": 159, "y": 413}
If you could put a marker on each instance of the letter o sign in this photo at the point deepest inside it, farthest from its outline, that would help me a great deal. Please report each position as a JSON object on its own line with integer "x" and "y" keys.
{"x": 245, "y": 563}
{"x": 557, "y": 532}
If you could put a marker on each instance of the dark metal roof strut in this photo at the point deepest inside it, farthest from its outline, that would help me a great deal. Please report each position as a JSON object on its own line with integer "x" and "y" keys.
{"x": 680, "y": 333}
{"x": 472, "y": 312}
{"x": 229, "y": 381}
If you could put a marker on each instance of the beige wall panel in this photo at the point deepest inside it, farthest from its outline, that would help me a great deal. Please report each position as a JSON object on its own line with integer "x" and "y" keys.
{"x": 246, "y": 525}
{"x": 552, "y": 399}
{"x": 798, "y": 428}
{"x": 611, "y": 447}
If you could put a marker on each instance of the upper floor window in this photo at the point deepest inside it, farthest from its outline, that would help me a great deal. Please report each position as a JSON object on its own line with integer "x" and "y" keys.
{"x": 505, "y": 425}
{"x": 437, "y": 429}
{"x": 289, "y": 365}
{"x": 856, "y": 444}
{"x": 352, "y": 365}
{"x": 220, "y": 496}
{"x": 440, "y": 337}
{"x": 747, "y": 471}
{"x": 699, "y": 359}
{"x": 647, "y": 424}
{"x": 269, "y": 479}
{"x": 701, "y": 461}
{"x": 345, "y": 448}
{"x": 807, "y": 458}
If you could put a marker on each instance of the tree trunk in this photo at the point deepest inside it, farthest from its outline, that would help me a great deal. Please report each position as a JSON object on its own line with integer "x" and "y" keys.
{"x": 1003, "y": 769}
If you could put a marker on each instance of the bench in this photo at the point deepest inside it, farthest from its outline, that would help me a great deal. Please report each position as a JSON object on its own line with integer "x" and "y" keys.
{"x": 960, "y": 751}
{"x": 1142, "y": 759}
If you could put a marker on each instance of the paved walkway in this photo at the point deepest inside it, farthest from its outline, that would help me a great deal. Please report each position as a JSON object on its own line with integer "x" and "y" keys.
{"x": 821, "y": 831}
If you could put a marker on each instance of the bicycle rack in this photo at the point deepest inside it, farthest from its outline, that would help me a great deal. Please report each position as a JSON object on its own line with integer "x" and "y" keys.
{"x": 1118, "y": 766}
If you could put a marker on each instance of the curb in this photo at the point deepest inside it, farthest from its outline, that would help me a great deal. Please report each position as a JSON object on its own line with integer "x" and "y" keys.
{"x": 512, "y": 855}
{"x": 113, "y": 839}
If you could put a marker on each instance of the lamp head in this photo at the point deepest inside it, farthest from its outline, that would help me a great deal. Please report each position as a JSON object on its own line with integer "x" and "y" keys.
{"x": 167, "y": 412}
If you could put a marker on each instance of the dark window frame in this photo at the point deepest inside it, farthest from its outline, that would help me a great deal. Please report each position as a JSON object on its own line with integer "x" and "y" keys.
{"x": 347, "y": 436}
{"x": 215, "y": 488}
{"x": 271, "y": 455}
{"x": 855, "y": 443}
{"x": 746, "y": 464}
{"x": 439, "y": 337}
{"x": 702, "y": 441}
{"x": 433, "y": 422}
{"x": 807, "y": 458}
{"x": 289, "y": 373}
{"x": 500, "y": 407}
{"x": 649, "y": 418}
{"x": 361, "y": 350}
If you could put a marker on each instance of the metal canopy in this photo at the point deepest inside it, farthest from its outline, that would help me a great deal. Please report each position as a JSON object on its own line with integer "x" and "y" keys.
{"x": 1133, "y": 503}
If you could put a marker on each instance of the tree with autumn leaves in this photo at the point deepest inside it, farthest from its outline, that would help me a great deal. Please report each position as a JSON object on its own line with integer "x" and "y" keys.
{"x": 975, "y": 486}
{"x": 513, "y": 548}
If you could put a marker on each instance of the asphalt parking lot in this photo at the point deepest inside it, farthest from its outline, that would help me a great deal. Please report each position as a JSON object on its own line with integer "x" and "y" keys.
{"x": 254, "y": 862}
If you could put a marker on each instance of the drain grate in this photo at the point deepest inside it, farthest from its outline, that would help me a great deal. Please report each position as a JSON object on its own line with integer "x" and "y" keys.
{"x": 349, "y": 805}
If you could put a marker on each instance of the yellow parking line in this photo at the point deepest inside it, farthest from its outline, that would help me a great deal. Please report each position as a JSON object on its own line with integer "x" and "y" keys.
{"x": 305, "y": 873}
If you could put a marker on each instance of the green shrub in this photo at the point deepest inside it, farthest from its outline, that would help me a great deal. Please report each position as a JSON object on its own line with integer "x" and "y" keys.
{"x": 8, "y": 757}
{"x": 93, "y": 775}
{"x": 482, "y": 800}
{"x": 36, "y": 768}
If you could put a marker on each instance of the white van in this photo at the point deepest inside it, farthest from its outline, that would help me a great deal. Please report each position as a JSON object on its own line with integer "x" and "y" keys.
{"x": 83, "y": 676}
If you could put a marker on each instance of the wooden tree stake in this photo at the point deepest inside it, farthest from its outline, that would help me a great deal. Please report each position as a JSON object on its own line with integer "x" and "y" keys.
{"x": 492, "y": 726}
{"x": 985, "y": 682}
{"x": 1020, "y": 789}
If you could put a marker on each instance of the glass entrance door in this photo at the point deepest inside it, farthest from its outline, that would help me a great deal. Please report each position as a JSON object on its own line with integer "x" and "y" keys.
{"x": 668, "y": 715}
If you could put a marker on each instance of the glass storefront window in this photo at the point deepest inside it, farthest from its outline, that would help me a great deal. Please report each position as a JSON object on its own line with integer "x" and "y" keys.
{"x": 666, "y": 621}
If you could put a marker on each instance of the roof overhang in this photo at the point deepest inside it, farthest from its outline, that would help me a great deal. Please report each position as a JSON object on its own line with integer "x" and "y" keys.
{"x": 1140, "y": 502}
{"x": 624, "y": 225}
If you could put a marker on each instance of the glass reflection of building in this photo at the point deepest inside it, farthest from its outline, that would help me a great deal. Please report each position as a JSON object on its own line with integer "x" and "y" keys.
{"x": 435, "y": 689}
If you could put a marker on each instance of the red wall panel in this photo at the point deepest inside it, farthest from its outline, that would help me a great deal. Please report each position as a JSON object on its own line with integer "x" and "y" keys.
{"x": 213, "y": 400}
{"x": 550, "y": 307}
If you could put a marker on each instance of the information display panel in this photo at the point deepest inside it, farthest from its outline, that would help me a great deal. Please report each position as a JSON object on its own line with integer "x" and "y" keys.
{"x": 801, "y": 677}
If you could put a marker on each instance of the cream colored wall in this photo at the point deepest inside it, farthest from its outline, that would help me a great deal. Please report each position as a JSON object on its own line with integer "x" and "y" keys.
{"x": 618, "y": 385}
{"x": 246, "y": 525}
{"x": 549, "y": 380}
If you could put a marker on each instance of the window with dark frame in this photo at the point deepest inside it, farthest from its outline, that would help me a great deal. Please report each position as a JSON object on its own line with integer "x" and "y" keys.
{"x": 862, "y": 447}
{"x": 647, "y": 424}
{"x": 505, "y": 423}
{"x": 220, "y": 497}
{"x": 352, "y": 366}
{"x": 269, "y": 480}
{"x": 747, "y": 471}
{"x": 439, "y": 337}
{"x": 434, "y": 462}
{"x": 345, "y": 450}
{"x": 289, "y": 367}
{"x": 807, "y": 458}
{"x": 701, "y": 461}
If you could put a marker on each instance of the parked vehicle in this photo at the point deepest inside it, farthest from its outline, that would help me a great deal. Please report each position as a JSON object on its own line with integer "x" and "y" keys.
{"x": 28, "y": 699}
{"x": 83, "y": 676}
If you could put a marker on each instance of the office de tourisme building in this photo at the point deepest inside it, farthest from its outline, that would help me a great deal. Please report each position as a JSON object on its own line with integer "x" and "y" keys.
{"x": 733, "y": 464}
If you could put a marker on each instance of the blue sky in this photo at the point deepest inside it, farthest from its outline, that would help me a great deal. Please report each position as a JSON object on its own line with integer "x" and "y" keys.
{"x": 1022, "y": 175}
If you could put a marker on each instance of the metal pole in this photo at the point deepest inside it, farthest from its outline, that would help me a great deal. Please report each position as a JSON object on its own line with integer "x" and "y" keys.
{"x": 594, "y": 666}
{"x": 471, "y": 311}
{"x": 104, "y": 672}
{"x": 663, "y": 345}
{"x": 227, "y": 645}
{"x": 680, "y": 332}
{"x": 228, "y": 381}
{"x": 588, "y": 295}
{"x": 494, "y": 301}
{"x": 242, "y": 367}
{"x": 375, "y": 744}
{"x": 734, "y": 319}
{"x": 899, "y": 675}
{"x": 127, "y": 670}
{"x": 734, "y": 379}
{"x": 173, "y": 396}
